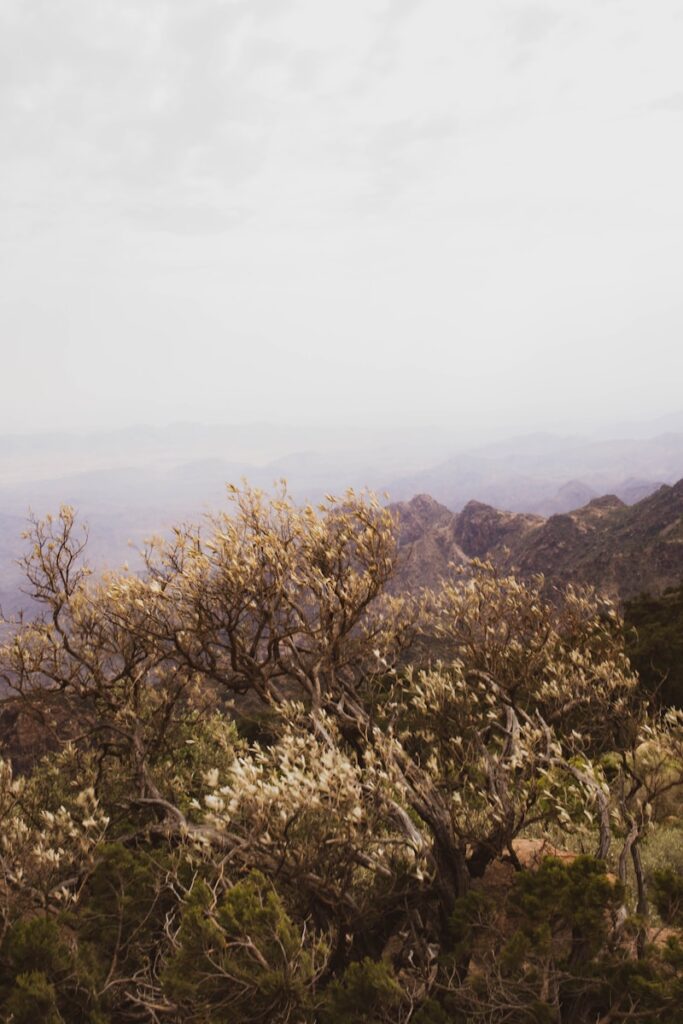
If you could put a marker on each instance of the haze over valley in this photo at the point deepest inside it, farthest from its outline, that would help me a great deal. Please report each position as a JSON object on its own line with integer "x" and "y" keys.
{"x": 128, "y": 485}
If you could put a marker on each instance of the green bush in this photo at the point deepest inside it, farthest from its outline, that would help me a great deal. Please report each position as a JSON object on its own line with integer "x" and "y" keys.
{"x": 654, "y": 643}
{"x": 366, "y": 993}
{"x": 239, "y": 957}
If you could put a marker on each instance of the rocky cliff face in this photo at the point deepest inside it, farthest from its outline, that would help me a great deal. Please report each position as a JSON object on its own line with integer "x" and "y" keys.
{"x": 427, "y": 543}
{"x": 418, "y": 516}
{"x": 479, "y": 528}
{"x": 621, "y": 550}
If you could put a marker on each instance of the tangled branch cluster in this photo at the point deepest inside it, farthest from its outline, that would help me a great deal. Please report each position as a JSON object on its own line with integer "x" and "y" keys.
{"x": 273, "y": 792}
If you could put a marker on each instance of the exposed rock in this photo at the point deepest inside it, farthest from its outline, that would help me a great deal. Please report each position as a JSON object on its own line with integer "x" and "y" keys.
{"x": 621, "y": 550}
{"x": 428, "y": 547}
{"x": 480, "y": 528}
{"x": 418, "y": 515}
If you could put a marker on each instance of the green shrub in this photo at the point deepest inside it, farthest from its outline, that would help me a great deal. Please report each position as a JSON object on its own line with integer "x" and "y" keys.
{"x": 366, "y": 993}
{"x": 240, "y": 957}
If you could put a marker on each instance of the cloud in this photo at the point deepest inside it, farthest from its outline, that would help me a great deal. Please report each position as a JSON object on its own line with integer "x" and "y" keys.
{"x": 381, "y": 57}
{"x": 370, "y": 180}
{"x": 399, "y": 153}
{"x": 188, "y": 218}
{"x": 528, "y": 28}
{"x": 530, "y": 24}
{"x": 121, "y": 101}
{"x": 674, "y": 102}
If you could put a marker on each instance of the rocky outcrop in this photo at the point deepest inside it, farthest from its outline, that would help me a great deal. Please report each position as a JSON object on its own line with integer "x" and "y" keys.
{"x": 428, "y": 547}
{"x": 418, "y": 516}
{"x": 480, "y": 529}
{"x": 622, "y": 550}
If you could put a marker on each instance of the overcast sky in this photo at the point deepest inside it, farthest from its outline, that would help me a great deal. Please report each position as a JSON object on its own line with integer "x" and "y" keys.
{"x": 340, "y": 210}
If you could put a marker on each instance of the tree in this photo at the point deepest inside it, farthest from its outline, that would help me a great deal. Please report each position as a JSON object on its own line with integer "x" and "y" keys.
{"x": 654, "y": 632}
{"x": 339, "y": 856}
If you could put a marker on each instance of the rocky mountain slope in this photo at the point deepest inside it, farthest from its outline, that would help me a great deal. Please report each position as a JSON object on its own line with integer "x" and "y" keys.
{"x": 622, "y": 550}
{"x": 136, "y": 482}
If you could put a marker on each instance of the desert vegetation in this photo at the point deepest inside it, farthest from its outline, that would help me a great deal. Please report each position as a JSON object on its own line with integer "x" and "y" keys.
{"x": 268, "y": 788}
{"x": 654, "y": 639}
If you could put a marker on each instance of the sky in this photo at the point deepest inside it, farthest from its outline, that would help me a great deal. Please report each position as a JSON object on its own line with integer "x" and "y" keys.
{"x": 340, "y": 211}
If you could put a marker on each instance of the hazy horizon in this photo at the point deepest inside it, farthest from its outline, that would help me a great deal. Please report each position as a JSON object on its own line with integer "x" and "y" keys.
{"x": 131, "y": 483}
{"x": 382, "y": 211}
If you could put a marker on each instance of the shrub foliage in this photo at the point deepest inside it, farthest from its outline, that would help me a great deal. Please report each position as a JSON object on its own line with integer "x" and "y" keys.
{"x": 274, "y": 792}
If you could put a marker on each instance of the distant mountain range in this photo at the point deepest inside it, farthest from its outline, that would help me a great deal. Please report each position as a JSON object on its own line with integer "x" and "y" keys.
{"x": 622, "y": 550}
{"x": 130, "y": 484}
{"x": 546, "y": 474}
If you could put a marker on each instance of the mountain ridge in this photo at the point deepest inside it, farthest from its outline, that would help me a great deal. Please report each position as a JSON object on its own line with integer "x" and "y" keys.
{"x": 620, "y": 549}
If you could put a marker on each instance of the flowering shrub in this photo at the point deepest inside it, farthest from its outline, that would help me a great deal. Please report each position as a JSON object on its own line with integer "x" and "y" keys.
{"x": 277, "y": 793}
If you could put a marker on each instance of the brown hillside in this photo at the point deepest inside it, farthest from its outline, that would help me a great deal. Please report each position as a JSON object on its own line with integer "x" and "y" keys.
{"x": 621, "y": 550}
